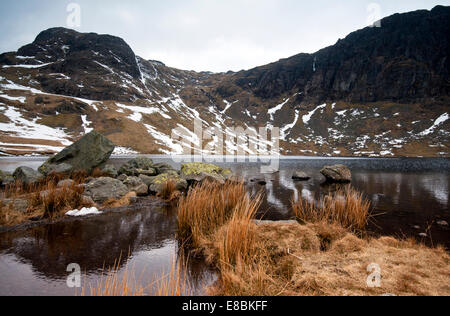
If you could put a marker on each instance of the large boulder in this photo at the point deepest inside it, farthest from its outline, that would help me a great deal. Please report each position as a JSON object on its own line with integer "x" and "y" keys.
{"x": 198, "y": 172}
{"x": 103, "y": 189}
{"x": 158, "y": 182}
{"x": 27, "y": 175}
{"x": 138, "y": 166}
{"x": 337, "y": 173}
{"x": 135, "y": 184}
{"x": 63, "y": 168}
{"x": 90, "y": 152}
{"x": 164, "y": 168}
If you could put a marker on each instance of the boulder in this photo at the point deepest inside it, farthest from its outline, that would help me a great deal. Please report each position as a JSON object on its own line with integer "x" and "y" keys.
{"x": 198, "y": 172}
{"x": 300, "y": 176}
{"x": 90, "y": 152}
{"x": 63, "y": 168}
{"x": 337, "y": 173}
{"x": 135, "y": 184}
{"x": 110, "y": 171}
{"x": 65, "y": 183}
{"x": 159, "y": 181}
{"x": 6, "y": 178}
{"x": 137, "y": 166}
{"x": 27, "y": 175}
{"x": 103, "y": 189}
{"x": 164, "y": 168}
{"x": 146, "y": 179}
{"x": 19, "y": 205}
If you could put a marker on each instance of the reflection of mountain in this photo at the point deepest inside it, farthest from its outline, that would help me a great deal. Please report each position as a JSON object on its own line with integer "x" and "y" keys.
{"x": 91, "y": 242}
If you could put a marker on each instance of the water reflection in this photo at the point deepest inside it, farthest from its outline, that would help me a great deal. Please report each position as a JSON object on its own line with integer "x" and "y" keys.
{"x": 33, "y": 262}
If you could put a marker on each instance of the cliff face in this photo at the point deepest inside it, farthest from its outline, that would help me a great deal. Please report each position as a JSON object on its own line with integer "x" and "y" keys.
{"x": 378, "y": 92}
{"x": 405, "y": 60}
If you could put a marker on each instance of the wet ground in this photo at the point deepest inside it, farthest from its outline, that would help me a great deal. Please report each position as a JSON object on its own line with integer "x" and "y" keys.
{"x": 409, "y": 197}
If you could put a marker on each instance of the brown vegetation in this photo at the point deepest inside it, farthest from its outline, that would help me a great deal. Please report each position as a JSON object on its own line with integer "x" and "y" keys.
{"x": 169, "y": 192}
{"x": 346, "y": 207}
{"x": 322, "y": 256}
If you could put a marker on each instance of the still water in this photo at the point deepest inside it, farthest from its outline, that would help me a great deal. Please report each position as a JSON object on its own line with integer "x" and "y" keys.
{"x": 409, "y": 197}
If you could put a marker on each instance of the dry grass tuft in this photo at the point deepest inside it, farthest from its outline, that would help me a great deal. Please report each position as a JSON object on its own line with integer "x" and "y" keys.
{"x": 169, "y": 192}
{"x": 209, "y": 206}
{"x": 125, "y": 201}
{"x": 347, "y": 208}
{"x": 115, "y": 283}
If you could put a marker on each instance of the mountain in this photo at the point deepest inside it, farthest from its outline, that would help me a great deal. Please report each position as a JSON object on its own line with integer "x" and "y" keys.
{"x": 380, "y": 92}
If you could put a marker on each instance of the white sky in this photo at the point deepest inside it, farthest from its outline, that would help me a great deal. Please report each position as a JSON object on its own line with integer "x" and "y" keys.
{"x": 214, "y": 35}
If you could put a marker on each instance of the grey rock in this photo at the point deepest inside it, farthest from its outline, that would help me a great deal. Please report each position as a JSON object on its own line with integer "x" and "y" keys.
{"x": 65, "y": 183}
{"x": 90, "y": 152}
{"x": 63, "y": 168}
{"x": 300, "y": 176}
{"x": 164, "y": 168}
{"x": 136, "y": 166}
{"x": 6, "y": 178}
{"x": 337, "y": 173}
{"x": 19, "y": 205}
{"x": 110, "y": 171}
{"x": 122, "y": 177}
{"x": 135, "y": 184}
{"x": 158, "y": 182}
{"x": 27, "y": 175}
{"x": 146, "y": 179}
{"x": 103, "y": 189}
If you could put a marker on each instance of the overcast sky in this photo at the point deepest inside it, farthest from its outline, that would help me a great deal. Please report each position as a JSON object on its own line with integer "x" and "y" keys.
{"x": 214, "y": 35}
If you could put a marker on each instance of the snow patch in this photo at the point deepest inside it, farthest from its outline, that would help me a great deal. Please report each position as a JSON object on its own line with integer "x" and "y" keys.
{"x": 84, "y": 212}
{"x": 307, "y": 117}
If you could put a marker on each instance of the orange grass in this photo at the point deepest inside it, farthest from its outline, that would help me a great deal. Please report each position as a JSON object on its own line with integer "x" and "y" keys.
{"x": 347, "y": 208}
{"x": 114, "y": 283}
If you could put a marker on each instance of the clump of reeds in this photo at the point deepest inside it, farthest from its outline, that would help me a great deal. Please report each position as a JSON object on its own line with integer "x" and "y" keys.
{"x": 208, "y": 206}
{"x": 347, "y": 208}
{"x": 115, "y": 283}
{"x": 169, "y": 191}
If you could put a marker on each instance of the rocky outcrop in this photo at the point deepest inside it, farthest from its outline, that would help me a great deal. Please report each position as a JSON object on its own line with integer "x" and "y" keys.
{"x": 337, "y": 173}
{"x": 27, "y": 175}
{"x": 138, "y": 166}
{"x": 88, "y": 153}
{"x": 103, "y": 189}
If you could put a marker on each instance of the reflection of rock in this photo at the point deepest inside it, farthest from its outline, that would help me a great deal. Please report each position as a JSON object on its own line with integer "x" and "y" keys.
{"x": 93, "y": 242}
{"x": 27, "y": 175}
{"x": 300, "y": 176}
{"x": 334, "y": 187}
{"x": 103, "y": 189}
{"x": 337, "y": 173}
{"x": 88, "y": 153}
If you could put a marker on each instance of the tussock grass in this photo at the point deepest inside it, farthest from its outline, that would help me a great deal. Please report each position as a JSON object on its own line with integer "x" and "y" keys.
{"x": 208, "y": 206}
{"x": 169, "y": 192}
{"x": 347, "y": 208}
{"x": 114, "y": 203}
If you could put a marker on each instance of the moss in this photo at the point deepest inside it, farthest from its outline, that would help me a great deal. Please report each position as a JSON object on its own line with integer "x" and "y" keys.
{"x": 197, "y": 168}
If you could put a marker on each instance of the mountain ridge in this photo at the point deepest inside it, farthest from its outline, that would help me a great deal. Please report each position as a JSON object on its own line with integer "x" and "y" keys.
{"x": 393, "y": 79}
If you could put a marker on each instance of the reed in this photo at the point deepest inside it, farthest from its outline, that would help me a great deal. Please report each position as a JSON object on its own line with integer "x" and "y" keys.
{"x": 347, "y": 208}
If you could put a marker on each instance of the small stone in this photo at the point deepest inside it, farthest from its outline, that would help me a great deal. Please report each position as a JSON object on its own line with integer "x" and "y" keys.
{"x": 110, "y": 171}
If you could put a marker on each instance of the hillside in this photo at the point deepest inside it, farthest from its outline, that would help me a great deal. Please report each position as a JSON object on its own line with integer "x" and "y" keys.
{"x": 380, "y": 92}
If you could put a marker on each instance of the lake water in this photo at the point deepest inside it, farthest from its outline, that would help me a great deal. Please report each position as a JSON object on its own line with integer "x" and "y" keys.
{"x": 409, "y": 197}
